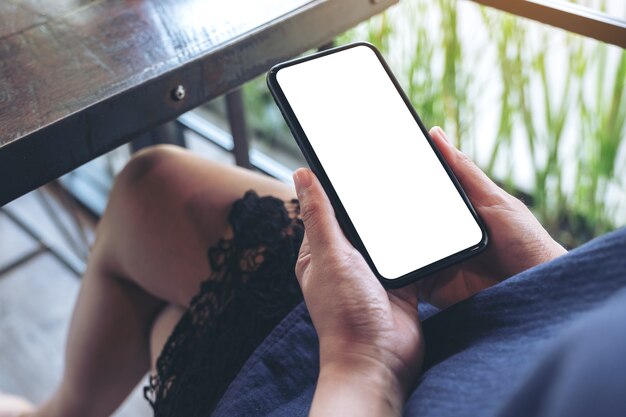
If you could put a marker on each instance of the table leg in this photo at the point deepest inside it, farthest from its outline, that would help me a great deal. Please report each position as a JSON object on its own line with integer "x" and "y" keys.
{"x": 170, "y": 132}
{"x": 238, "y": 127}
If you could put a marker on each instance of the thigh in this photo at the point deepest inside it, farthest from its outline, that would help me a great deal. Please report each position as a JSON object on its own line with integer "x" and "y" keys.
{"x": 167, "y": 208}
{"x": 162, "y": 328}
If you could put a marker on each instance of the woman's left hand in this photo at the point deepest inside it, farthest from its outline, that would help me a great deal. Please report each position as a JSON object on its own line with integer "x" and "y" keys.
{"x": 371, "y": 344}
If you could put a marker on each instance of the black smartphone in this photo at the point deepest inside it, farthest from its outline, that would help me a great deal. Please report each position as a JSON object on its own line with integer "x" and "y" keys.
{"x": 394, "y": 196}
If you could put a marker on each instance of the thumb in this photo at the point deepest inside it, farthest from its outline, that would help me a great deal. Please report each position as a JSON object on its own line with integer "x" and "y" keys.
{"x": 321, "y": 226}
{"x": 479, "y": 187}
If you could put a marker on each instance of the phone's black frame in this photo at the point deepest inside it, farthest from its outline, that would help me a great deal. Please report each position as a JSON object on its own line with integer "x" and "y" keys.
{"x": 340, "y": 212}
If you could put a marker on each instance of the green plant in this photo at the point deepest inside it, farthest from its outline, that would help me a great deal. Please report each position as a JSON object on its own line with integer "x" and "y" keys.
{"x": 573, "y": 217}
{"x": 508, "y": 35}
{"x": 604, "y": 134}
{"x": 573, "y": 141}
{"x": 454, "y": 80}
{"x": 422, "y": 87}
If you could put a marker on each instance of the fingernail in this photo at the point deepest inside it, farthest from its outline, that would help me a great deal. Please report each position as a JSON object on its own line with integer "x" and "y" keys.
{"x": 301, "y": 179}
{"x": 443, "y": 134}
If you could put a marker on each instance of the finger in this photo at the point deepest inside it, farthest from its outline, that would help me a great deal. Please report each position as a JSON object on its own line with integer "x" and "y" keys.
{"x": 304, "y": 259}
{"x": 474, "y": 181}
{"x": 408, "y": 294}
{"x": 321, "y": 226}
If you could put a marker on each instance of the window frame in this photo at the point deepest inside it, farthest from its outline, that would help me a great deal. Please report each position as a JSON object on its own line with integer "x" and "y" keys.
{"x": 568, "y": 16}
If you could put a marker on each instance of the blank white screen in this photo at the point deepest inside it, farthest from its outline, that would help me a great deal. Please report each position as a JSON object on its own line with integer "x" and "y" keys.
{"x": 399, "y": 197}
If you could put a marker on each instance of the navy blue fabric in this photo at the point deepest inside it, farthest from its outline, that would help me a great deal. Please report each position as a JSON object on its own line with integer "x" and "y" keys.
{"x": 528, "y": 346}
{"x": 584, "y": 373}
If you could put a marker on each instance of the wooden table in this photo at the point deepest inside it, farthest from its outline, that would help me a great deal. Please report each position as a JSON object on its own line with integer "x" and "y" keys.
{"x": 81, "y": 77}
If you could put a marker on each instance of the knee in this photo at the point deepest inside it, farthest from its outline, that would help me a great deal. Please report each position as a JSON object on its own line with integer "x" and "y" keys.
{"x": 148, "y": 170}
{"x": 147, "y": 163}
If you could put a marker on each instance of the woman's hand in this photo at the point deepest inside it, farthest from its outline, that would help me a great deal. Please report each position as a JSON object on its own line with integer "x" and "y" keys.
{"x": 516, "y": 239}
{"x": 371, "y": 345}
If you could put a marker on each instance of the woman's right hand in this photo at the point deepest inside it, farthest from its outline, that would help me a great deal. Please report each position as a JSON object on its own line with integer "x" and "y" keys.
{"x": 371, "y": 344}
{"x": 516, "y": 239}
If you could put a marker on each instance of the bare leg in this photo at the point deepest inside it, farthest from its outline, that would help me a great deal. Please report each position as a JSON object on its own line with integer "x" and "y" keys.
{"x": 166, "y": 209}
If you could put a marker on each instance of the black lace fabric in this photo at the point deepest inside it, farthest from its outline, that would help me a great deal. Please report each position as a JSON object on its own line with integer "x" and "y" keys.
{"x": 251, "y": 288}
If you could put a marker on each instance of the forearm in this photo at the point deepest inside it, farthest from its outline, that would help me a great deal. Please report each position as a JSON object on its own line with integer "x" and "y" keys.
{"x": 348, "y": 389}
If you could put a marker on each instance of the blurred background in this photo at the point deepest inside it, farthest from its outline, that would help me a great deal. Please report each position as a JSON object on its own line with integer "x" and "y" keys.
{"x": 541, "y": 110}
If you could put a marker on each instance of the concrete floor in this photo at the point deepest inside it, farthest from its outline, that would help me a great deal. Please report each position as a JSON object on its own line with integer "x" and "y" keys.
{"x": 36, "y": 302}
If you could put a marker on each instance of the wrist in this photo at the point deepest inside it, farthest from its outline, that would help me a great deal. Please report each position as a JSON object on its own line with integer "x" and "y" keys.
{"x": 550, "y": 250}
{"x": 357, "y": 385}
